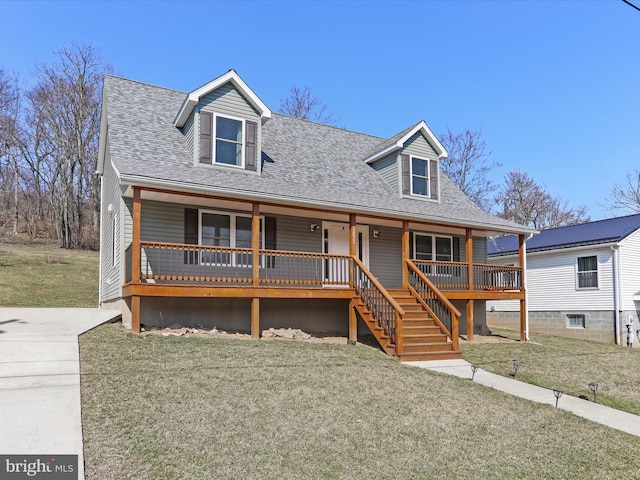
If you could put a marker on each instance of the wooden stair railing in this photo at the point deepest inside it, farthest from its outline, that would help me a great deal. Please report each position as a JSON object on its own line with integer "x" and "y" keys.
{"x": 434, "y": 302}
{"x": 378, "y": 309}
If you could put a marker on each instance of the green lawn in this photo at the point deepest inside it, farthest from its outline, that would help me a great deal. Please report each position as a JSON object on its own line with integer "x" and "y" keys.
{"x": 202, "y": 408}
{"x": 39, "y": 274}
{"x": 567, "y": 364}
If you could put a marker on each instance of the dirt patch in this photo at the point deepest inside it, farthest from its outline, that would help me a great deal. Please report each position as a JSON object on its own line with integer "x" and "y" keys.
{"x": 293, "y": 334}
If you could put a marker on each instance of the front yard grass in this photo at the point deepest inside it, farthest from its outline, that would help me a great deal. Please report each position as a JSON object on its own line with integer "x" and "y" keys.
{"x": 201, "y": 408}
{"x": 40, "y": 274}
{"x": 567, "y": 364}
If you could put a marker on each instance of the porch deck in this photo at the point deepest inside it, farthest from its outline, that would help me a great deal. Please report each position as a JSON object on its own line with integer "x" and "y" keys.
{"x": 180, "y": 270}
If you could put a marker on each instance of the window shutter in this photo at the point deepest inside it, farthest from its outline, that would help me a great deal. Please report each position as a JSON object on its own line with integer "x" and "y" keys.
{"x": 456, "y": 249}
{"x": 406, "y": 175}
{"x": 251, "y": 146}
{"x": 190, "y": 233}
{"x": 206, "y": 137}
{"x": 270, "y": 239}
{"x": 433, "y": 178}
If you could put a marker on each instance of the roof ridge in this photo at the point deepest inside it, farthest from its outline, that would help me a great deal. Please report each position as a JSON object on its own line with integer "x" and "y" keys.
{"x": 343, "y": 129}
{"x": 118, "y": 77}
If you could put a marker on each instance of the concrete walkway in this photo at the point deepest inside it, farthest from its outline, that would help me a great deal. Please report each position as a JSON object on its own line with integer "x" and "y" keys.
{"x": 623, "y": 421}
{"x": 40, "y": 379}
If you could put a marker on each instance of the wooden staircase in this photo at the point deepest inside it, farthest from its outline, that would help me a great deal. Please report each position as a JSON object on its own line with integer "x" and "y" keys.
{"x": 422, "y": 337}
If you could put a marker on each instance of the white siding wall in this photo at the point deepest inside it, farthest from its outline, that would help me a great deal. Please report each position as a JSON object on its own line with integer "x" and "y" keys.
{"x": 630, "y": 270}
{"x": 551, "y": 282}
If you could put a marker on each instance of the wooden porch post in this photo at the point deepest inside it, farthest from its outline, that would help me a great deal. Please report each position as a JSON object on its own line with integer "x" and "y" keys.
{"x": 135, "y": 314}
{"x": 470, "y": 320}
{"x": 469, "y": 255}
{"x": 136, "y": 259}
{"x": 255, "y": 255}
{"x": 523, "y": 301}
{"x": 135, "y": 237}
{"x": 353, "y": 323}
{"x": 353, "y": 235}
{"x": 405, "y": 254}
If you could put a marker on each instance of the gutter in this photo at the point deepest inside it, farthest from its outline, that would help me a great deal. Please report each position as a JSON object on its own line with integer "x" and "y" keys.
{"x": 617, "y": 301}
{"x": 526, "y": 289}
{"x": 135, "y": 180}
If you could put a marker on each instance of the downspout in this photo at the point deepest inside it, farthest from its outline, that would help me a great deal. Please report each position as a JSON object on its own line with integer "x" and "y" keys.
{"x": 616, "y": 292}
{"x": 526, "y": 289}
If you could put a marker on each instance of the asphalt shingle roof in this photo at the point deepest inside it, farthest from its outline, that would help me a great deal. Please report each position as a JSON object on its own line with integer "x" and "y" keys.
{"x": 305, "y": 163}
{"x": 591, "y": 233}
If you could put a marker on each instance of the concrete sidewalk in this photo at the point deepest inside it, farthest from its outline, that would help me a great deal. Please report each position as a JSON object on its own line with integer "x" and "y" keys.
{"x": 617, "y": 419}
{"x": 40, "y": 379}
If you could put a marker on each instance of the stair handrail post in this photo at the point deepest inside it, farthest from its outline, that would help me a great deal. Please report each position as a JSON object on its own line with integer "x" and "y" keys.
{"x": 399, "y": 335}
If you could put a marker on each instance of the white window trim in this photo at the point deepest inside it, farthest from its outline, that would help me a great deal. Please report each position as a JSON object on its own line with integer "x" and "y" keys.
{"x": 433, "y": 244}
{"x": 428, "y": 161}
{"x": 232, "y": 233}
{"x": 214, "y": 139}
{"x": 578, "y": 287}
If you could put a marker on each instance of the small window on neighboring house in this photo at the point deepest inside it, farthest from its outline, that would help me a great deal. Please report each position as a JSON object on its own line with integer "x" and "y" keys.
{"x": 575, "y": 321}
{"x": 588, "y": 272}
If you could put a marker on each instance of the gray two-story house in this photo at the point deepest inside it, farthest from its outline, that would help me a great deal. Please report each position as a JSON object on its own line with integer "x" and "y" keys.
{"x": 217, "y": 211}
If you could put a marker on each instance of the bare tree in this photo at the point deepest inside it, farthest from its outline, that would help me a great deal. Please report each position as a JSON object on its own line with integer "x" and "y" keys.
{"x": 468, "y": 165}
{"x": 9, "y": 150}
{"x": 522, "y": 200}
{"x": 625, "y": 197}
{"x": 302, "y": 104}
{"x": 64, "y": 118}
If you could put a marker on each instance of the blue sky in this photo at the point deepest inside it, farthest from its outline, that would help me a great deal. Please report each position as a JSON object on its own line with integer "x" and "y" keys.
{"x": 553, "y": 85}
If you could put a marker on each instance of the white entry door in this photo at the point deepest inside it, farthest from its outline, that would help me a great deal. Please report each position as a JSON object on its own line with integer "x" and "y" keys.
{"x": 336, "y": 241}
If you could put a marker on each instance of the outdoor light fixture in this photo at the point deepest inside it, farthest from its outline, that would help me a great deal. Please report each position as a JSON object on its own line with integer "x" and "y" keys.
{"x": 557, "y": 393}
{"x": 516, "y": 367}
{"x": 594, "y": 386}
{"x": 376, "y": 234}
{"x": 474, "y": 369}
{"x": 314, "y": 227}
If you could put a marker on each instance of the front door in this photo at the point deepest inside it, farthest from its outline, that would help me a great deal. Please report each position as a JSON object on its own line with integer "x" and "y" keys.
{"x": 336, "y": 241}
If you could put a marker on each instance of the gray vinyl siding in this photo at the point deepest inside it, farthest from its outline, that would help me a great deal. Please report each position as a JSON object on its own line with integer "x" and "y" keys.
{"x": 418, "y": 146}
{"x": 293, "y": 233}
{"x": 111, "y": 276}
{"x": 385, "y": 256}
{"x": 388, "y": 169}
{"x": 189, "y": 133}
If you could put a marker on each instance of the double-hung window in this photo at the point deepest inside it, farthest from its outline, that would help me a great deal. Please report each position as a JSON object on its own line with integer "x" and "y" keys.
{"x": 222, "y": 140}
{"x": 431, "y": 247}
{"x": 420, "y": 177}
{"x": 227, "y": 230}
{"x": 588, "y": 272}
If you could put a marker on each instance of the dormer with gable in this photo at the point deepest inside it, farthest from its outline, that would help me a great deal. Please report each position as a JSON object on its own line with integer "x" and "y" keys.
{"x": 410, "y": 162}
{"x": 222, "y": 121}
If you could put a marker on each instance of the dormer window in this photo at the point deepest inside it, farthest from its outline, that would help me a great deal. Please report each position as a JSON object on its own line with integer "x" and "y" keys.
{"x": 234, "y": 142}
{"x": 229, "y": 135}
{"x": 420, "y": 177}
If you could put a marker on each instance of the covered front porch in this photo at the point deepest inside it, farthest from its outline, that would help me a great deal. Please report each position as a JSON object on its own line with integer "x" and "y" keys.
{"x": 184, "y": 270}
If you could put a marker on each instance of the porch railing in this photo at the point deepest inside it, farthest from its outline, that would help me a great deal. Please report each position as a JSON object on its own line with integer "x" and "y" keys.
{"x": 279, "y": 267}
{"x": 385, "y": 310}
{"x": 438, "y": 306}
{"x": 182, "y": 263}
{"x": 497, "y": 277}
{"x": 455, "y": 275}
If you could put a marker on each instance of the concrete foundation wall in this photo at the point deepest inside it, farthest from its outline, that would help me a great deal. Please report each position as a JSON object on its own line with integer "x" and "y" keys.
{"x": 309, "y": 315}
{"x": 599, "y": 325}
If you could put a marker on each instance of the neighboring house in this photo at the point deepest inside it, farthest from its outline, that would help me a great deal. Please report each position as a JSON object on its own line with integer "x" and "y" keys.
{"x": 218, "y": 212}
{"x": 583, "y": 281}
